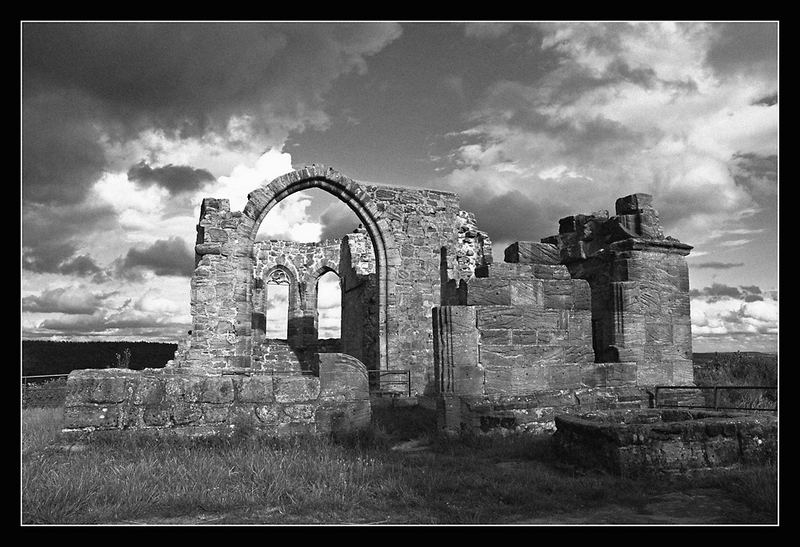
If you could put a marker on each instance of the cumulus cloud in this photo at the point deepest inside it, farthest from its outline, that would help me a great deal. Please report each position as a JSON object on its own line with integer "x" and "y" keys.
{"x": 627, "y": 108}
{"x": 289, "y": 220}
{"x": 245, "y": 178}
{"x": 722, "y": 310}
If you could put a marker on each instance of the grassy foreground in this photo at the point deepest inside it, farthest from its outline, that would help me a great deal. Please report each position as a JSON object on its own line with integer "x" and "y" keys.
{"x": 247, "y": 479}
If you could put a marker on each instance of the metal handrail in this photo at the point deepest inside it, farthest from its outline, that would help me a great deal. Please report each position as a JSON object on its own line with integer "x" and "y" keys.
{"x": 26, "y": 378}
{"x": 716, "y": 389}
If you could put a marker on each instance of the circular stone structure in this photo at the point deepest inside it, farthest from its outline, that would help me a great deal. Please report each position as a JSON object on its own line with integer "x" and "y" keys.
{"x": 652, "y": 441}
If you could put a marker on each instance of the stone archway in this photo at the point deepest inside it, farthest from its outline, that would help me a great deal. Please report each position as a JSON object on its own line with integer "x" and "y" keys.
{"x": 387, "y": 256}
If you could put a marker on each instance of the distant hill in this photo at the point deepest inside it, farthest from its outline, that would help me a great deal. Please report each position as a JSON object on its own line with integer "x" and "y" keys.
{"x": 48, "y": 357}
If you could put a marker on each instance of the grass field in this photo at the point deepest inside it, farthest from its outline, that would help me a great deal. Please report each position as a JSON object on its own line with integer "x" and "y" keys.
{"x": 248, "y": 479}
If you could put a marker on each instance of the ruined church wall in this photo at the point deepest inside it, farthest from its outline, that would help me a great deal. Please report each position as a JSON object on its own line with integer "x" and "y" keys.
{"x": 360, "y": 315}
{"x": 422, "y": 223}
{"x": 590, "y": 319}
{"x": 415, "y": 228}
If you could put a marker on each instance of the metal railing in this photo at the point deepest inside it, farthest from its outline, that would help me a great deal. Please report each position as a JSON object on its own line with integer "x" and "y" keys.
{"x": 715, "y": 399}
{"x": 39, "y": 390}
{"x": 380, "y": 380}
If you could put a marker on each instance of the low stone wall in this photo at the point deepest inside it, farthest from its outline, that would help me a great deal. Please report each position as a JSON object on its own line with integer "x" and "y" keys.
{"x": 198, "y": 401}
{"x": 643, "y": 442}
{"x": 534, "y": 412}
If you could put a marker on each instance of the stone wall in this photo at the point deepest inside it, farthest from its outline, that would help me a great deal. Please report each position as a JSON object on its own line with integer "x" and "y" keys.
{"x": 300, "y": 265}
{"x": 596, "y": 315}
{"x": 360, "y": 311}
{"x": 640, "y": 288}
{"x": 192, "y": 401}
{"x": 410, "y": 229}
{"x": 666, "y": 441}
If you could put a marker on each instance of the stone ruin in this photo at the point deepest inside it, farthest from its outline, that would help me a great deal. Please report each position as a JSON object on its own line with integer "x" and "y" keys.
{"x": 589, "y": 319}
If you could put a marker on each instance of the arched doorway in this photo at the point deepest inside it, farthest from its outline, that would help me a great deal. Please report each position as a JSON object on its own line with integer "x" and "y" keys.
{"x": 387, "y": 258}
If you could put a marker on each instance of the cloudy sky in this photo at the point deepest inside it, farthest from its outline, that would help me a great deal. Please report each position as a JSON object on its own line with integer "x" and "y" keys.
{"x": 127, "y": 126}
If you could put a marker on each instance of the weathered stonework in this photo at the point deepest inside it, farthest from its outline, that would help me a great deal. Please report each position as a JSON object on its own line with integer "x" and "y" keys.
{"x": 197, "y": 402}
{"x": 591, "y": 318}
{"x": 597, "y": 315}
{"x": 666, "y": 441}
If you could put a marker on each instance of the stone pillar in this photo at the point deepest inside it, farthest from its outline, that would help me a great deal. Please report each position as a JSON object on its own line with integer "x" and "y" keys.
{"x": 456, "y": 362}
{"x": 640, "y": 288}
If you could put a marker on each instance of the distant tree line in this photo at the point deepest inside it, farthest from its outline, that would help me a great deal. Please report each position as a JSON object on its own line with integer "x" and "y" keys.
{"x": 50, "y": 357}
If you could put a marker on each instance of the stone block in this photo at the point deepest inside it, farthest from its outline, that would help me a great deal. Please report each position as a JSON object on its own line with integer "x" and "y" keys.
{"x": 658, "y": 333}
{"x": 608, "y": 374}
{"x": 255, "y": 389}
{"x": 564, "y": 376}
{"x": 468, "y": 380}
{"x": 156, "y": 416}
{"x": 214, "y": 413}
{"x": 580, "y": 352}
{"x": 186, "y": 413}
{"x": 581, "y": 295}
{"x": 217, "y": 389}
{"x": 519, "y": 355}
{"x": 103, "y": 416}
{"x": 299, "y": 412}
{"x": 544, "y": 271}
{"x": 516, "y": 380}
{"x": 531, "y": 337}
{"x": 149, "y": 392}
{"x": 292, "y": 389}
{"x": 531, "y": 252}
{"x": 343, "y": 377}
{"x": 633, "y": 203}
{"x": 459, "y": 318}
{"x": 648, "y": 374}
{"x": 488, "y": 291}
{"x": 496, "y": 337}
{"x": 558, "y": 301}
{"x": 515, "y": 317}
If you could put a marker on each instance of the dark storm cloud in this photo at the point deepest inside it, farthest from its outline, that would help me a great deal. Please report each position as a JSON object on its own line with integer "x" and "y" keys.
{"x": 49, "y": 234}
{"x": 83, "y": 83}
{"x": 46, "y": 257}
{"x": 61, "y": 153}
{"x": 757, "y": 173}
{"x": 768, "y": 100}
{"x": 69, "y": 301}
{"x": 164, "y": 257}
{"x": 83, "y": 265}
{"x": 717, "y": 265}
{"x": 522, "y": 218}
{"x": 175, "y": 178}
{"x": 191, "y": 77}
{"x": 719, "y": 291}
{"x": 337, "y": 220}
{"x": 744, "y": 47}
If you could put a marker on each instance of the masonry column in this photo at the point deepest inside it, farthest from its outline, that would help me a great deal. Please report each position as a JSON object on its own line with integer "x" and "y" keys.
{"x": 640, "y": 288}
